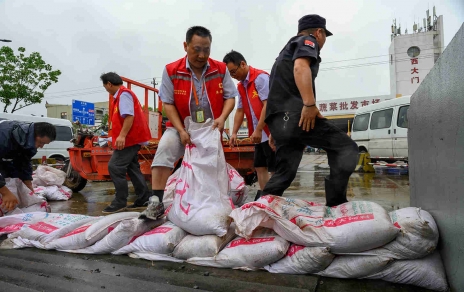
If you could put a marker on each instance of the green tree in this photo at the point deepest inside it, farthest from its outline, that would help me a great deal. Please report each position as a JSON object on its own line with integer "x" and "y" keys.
{"x": 104, "y": 120}
{"x": 23, "y": 79}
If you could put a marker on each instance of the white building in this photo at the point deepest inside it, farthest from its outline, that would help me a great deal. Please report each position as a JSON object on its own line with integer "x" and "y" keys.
{"x": 412, "y": 56}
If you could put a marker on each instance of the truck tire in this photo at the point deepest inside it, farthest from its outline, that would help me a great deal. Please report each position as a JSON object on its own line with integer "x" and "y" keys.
{"x": 74, "y": 181}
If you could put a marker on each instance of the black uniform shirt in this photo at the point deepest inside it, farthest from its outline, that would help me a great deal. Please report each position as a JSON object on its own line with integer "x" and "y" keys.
{"x": 284, "y": 95}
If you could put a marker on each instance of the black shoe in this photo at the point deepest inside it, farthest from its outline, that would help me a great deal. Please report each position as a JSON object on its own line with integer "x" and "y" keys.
{"x": 113, "y": 209}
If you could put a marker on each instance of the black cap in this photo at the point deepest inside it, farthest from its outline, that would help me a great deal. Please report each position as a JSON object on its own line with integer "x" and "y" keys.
{"x": 312, "y": 21}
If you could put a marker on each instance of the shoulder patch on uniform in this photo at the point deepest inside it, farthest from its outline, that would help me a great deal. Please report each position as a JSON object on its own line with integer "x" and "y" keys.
{"x": 309, "y": 43}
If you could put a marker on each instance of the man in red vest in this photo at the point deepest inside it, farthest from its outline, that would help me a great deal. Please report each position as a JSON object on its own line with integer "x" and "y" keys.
{"x": 129, "y": 131}
{"x": 194, "y": 86}
{"x": 253, "y": 88}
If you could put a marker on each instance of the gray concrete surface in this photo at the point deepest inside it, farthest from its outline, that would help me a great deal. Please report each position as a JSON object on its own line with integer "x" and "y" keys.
{"x": 39, "y": 270}
{"x": 436, "y": 154}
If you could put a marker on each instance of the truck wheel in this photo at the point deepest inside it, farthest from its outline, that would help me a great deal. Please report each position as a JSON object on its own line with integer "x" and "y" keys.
{"x": 74, "y": 181}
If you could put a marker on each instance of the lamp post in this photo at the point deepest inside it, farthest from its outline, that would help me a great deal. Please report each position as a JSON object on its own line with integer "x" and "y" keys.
{"x": 5, "y": 41}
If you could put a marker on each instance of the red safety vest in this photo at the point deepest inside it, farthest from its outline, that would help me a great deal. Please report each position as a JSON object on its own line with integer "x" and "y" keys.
{"x": 139, "y": 132}
{"x": 181, "y": 78}
{"x": 251, "y": 94}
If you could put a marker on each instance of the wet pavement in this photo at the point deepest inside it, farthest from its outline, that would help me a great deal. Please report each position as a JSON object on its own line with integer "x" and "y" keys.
{"x": 39, "y": 270}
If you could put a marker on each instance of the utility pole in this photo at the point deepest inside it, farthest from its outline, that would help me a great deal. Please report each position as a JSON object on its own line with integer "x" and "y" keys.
{"x": 154, "y": 93}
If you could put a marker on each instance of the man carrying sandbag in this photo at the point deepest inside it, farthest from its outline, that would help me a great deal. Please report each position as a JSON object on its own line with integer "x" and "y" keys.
{"x": 18, "y": 144}
{"x": 295, "y": 121}
{"x": 195, "y": 86}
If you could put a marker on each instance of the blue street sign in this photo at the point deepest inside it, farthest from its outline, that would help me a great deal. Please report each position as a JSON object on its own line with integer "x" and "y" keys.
{"x": 84, "y": 112}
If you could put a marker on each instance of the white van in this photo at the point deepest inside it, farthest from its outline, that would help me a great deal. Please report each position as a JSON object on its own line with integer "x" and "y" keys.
{"x": 382, "y": 128}
{"x": 64, "y": 133}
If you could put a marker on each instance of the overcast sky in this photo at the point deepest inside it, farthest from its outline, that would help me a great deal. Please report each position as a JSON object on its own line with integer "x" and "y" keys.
{"x": 137, "y": 39}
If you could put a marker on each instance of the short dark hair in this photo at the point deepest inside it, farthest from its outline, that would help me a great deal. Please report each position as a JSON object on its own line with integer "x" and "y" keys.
{"x": 199, "y": 31}
{"x": 43, "y": 129}
{"x": 112, "y": 78}
{"x": 234, "y": 57}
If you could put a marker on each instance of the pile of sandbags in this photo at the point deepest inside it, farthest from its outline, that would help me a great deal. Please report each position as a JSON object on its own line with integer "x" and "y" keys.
{"x": 48, "y": 182}
{"x": 28, "y": 201}
{"x": 354, "y": 240}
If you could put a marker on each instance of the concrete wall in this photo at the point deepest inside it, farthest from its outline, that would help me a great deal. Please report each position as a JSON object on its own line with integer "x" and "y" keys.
{"x": 436, "y": 154}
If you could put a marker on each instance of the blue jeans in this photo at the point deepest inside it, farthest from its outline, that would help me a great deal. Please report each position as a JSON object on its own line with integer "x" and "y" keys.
{"x": 291, "y": 140}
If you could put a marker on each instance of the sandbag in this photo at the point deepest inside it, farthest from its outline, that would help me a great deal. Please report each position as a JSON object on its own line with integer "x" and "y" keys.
{"x": 89, "y": 233}
{"x": 48, "y": 229}
{"x": 350, "y": 227}
{"x": 238, "y": 191}
{"x": 125, "y": 232}
{"x": 161, "y": 240}
{"x": 15, "y": 222}
{"x": 263, "y": 248}
{"x": 170, "y": 189}
{"x": 201, "y": 204}
{"x": 302, "y": 260}
{"x": 427, "y": 272}
{"x": 54, "y": 193}
{"x": 418, "y": 235}
{"x": 48, "y": 176}
{"x": 202, "y": 246}
{"x": 27, "y": 197}
{"x": 355, "y": 266}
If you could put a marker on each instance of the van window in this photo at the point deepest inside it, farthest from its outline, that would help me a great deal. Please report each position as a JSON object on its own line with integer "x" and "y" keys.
{"x": 403, "y": 117}
{"x": 63, "y": 133}
{"x": 381, "y": 119}
{"x": 361, "y": 122}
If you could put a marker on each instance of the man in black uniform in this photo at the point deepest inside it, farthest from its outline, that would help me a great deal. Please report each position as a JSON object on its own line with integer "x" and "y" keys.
{"x": 295, "y": 121}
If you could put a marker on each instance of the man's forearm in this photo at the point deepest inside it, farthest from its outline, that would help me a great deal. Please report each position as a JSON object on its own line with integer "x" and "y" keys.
{"x": 238, "y": 119}
{"x": 303, "y": 80}
{"x": 173, "y": 116}
{"x": 229, "y": 105}
{"x": 126, "y": 126}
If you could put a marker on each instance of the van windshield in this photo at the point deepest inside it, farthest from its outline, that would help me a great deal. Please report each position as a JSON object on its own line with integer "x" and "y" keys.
{"x": 63, "y": 133}
{"x": 361, "y": 122}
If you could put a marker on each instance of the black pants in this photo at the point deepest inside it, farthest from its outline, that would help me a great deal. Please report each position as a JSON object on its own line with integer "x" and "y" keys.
{"x": 291, "y": 140}
{"x": 122, "y": 162}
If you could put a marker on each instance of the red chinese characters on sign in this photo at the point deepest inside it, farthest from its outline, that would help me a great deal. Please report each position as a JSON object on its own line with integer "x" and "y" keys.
{"x": 414, "y": 61}
{"x": 412, "y": 79}
{"x": 333, "y": 106}
{"x": 376, "y": 100}
{"x": 322, "y": 107}
{"x": 343, "y": 105}
{"x": 364, "y": 102}
{"x": 354, "y": 104}
{"x": 414, "y": 71}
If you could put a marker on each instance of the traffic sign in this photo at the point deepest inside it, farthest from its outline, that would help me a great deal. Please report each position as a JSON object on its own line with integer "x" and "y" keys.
{"x": 84, "y": 112}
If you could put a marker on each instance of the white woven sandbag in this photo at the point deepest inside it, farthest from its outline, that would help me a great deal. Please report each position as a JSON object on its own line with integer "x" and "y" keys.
{"x": 427, "y": 272}
{"x": 350, "y": 227}
{"x": 13, "y": 223}
{"x": 124, "y": 233}
{"x": 355, "y": 266}
{"x": 90, "y": 232}
{"x": 238, "y": 191}
{"x": 161, "y": 240}
{"x": 302, "y": 260}
{"x": 203, "y": 246}
{"x": 201, "y": 204}
{"x": 51, "y": 228}
{"x": 49, "y": 176}
{"x": 263, "y": 248}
